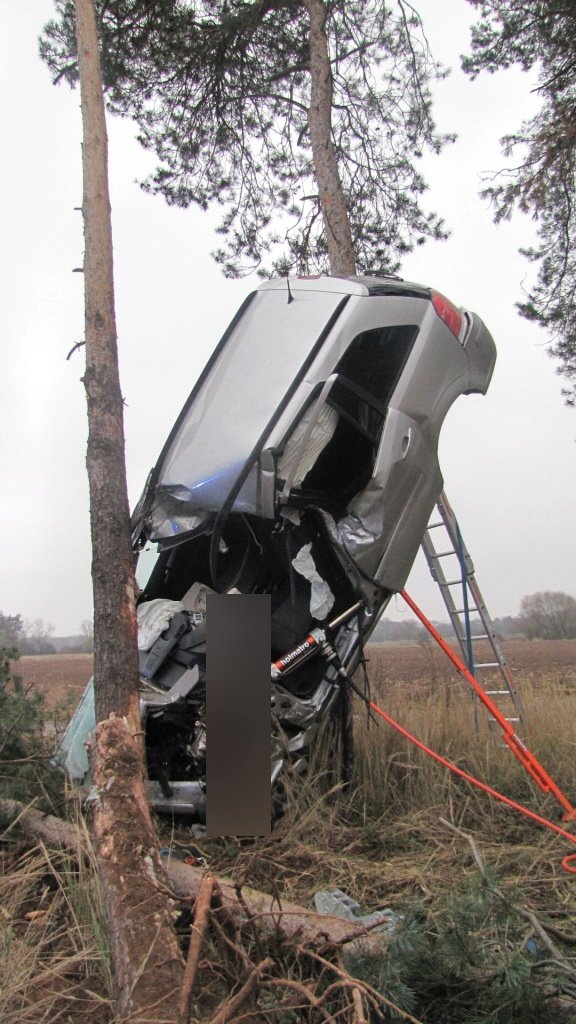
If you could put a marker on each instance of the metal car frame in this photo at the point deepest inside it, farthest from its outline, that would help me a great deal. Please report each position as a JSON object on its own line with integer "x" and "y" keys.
{"x": 304, "y": 465}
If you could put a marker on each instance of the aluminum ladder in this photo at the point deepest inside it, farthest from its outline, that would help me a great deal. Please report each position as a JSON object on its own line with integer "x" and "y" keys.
{"x": 453, "y": 570}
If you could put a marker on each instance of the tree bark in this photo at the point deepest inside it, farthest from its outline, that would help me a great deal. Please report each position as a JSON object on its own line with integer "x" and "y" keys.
{"x": 332, "y": 199}
{"x": 147, "y": 964}
{"x": 146, "y": 958}
{"x": 115, "y": 650}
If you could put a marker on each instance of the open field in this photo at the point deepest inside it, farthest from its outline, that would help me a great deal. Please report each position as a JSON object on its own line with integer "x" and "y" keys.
{"x": 420, "y": 667}
{"x": 486, "y": 910}
{"x": 531, "y": 661}
{"x": 61, "y": 678}
{"x": 399, "y": 792}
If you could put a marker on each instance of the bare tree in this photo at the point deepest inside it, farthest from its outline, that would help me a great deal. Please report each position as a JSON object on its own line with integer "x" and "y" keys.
{"x": 87, "y": 634}
{"x": 146, "y": 958}
{"x": 549, "y": 615}
{"x": 37, "y": 637}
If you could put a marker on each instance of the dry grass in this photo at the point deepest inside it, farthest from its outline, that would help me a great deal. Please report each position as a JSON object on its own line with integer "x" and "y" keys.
{"x": 381, "y": 840}
{"x": 54, "y": 962}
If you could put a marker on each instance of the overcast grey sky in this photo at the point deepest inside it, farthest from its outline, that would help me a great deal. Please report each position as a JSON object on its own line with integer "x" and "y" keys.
{"x": 508, "y": 459}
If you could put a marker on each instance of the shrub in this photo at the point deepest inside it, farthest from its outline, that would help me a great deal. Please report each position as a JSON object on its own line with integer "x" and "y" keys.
{"x": 25, "y": 770}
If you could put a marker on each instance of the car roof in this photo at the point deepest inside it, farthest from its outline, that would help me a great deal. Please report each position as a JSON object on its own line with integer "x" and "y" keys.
{"x": 349, "y": 285}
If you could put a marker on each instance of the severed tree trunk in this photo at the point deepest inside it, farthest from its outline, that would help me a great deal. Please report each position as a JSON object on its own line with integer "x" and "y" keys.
{"x": 331, "y": 195}
{"x": 146, "y": 960}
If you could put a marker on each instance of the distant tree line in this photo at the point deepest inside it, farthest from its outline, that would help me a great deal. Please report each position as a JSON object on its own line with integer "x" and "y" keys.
{"x": 411, "y": 632}
{"x": 37, "y": 636}
{"x": 547, "y": 615}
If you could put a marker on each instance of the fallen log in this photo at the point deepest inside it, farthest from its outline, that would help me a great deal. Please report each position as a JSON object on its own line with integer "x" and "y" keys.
{"x": 55, "y": 832}
{"x": 289, "y": 920}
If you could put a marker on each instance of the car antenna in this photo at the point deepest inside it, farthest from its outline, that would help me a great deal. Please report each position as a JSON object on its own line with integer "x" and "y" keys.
{"x": 290, "y": 296}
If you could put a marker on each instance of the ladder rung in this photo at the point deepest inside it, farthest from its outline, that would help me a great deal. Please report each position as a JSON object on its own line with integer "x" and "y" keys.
{"x": 460, "y": 617}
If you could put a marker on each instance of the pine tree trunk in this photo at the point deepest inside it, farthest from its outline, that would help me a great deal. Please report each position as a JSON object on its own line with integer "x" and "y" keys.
{"x": 146, "y": 960}
{"x": 115, "y": 651}
{"x": 332, "y": 199}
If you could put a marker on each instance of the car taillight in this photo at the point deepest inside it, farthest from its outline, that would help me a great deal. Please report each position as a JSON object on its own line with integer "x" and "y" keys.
{"x": 448, "y": 313}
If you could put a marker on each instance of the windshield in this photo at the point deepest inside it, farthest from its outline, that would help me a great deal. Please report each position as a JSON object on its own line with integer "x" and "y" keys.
{"x": 240, "y": 395}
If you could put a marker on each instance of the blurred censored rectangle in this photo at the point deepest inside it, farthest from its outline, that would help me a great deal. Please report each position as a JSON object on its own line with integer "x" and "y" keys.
{"x": 238, "y": 720}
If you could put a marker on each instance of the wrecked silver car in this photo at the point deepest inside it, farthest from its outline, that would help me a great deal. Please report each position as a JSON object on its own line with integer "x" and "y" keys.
{"x": 303, "y": 465}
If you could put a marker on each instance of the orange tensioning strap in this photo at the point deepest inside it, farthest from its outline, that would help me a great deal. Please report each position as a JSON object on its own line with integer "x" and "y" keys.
{"x": 566, "y": 862}
{"x": 526, "y": 758}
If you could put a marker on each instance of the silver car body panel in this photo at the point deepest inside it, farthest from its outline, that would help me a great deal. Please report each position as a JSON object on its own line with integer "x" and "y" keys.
{"x": 303, "y": 465}
{"x": 262, "y": 412}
